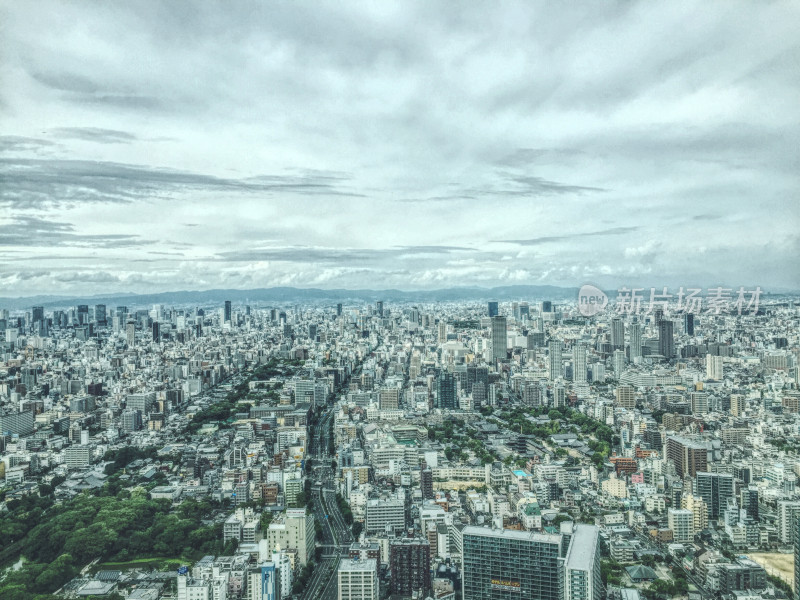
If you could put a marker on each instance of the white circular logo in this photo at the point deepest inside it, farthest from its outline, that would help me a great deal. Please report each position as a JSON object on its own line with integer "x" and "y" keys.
{"x": 591, "y": 300}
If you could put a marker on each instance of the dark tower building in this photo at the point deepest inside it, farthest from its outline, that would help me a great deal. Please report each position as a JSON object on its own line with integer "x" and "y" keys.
{"x": 666, "y": 340}
{"x": 379, "y": 308}
{"x": 426, "y": 483}
{"x": 493, "y": 312}
{"x": 410, "y": 561}
{"x": 338, "y": 310}
{"x": 227, "y": 316}
{"x": 688, "y": 323}
{"x": 446, "y": 397}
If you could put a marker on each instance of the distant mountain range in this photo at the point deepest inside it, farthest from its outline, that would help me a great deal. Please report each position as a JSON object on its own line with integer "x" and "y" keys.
{"x": 291, "y": 294}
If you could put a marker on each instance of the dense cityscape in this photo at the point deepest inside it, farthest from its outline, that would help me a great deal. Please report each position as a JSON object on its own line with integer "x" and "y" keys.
{"x": 361, "y": 450}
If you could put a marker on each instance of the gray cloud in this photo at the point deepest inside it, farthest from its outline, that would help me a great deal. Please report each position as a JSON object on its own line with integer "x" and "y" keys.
{"x": 29, "y": 231}
{"x": 391, "y": 143}
{"x": 28, "y": 183}
{"x": 95, "y": 134}
{"x": 572, "y": 236}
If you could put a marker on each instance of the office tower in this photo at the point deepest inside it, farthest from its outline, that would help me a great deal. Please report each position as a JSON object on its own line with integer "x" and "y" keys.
{"x": 263, "y": 583}
{"x": 410, "y": 561}
{"x": 130, "y": 332}
{"x": 636, "y": 341}
{"x": 358, "y": 579}
{"x": 524, "y": 310}
{"x": 499, "y": 338}
{"x": 515, "y": 310}
{"x": 788, "y": 512}
{"x": 617, "y": 334}
{"x": 681, "y": 522}
{"x": 156, "y": 331}
{"x": 750, "y": 503}
{"x": 338, "y": 310}
{"x": 83, "y": 314}
{"x": 658, "y": 316}
{"x": 618, "y": 362}
{"x": 688, "y": 324}
{"x": 446, "y": 397}
{"x": 503, "y": 564}
{"x": 579, "y": 363}
{"x": 547, "y": 306}
{"x": 715, "y": 489}
{"x": 20, "y": 423}
{"x": 295, "y": 529}
{"x": 582, "y": 579}
{"x": 100, "y": 314}
{"x": 666, "y": 341}
{"x": 532, "y": 393}
{"x": 381, "y": 515}
{"x": 390, "y": 399}
{"x": 626, "y": 397}
{"x": 379, "y": 308}
{"x": 699, "y": 403}
{"x": 559, "y": 396}
{"x": 227, "y": 312}
{"x": 131, "y": 420}
{"x": 37, "y": 314}
{"x": 689, "y": 457}
{"x": 426, "y": 483}
{"x": 493, "y": 312}
{"x": 554, "y": 359}
{"x": 713, "y": 367}
{"x": 442, "y": 332}
{"x": 796, "y": 540}
{"x": 699, "y": 510}
{"x": 737, "y": 405}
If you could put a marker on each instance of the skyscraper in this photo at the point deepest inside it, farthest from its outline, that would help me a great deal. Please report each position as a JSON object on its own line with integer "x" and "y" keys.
{"x": 554, "y": 359}
{"x": 227, "y": 313}
{"x": 636, "y": 341}
{"x": 338, "y": 310}
{"x": 715, "y": 489}
{"x": 130, "y": 332}
{"x": 499, "y": 338}
{"x": 617, "y": 334}
{"x": 582, "y": 580}
{"x": 379, "y": 308}
{"x": 493, "y": 309}
{"x": 688, "y": 323}
{"x": 579, "y": 363}
{"x": 666, "y": 341}
{"x": 446, "y": 397}
{"x": 410, "y": 562}
{"x": 100, "y": 314}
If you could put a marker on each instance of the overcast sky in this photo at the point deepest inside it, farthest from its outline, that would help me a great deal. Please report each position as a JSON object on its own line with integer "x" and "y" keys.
{"x": 172, "y": 145}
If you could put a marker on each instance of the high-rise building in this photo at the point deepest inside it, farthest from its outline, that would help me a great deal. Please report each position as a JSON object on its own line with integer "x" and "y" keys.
{"x": 582, "y": 579}
{"x": 617, "y": 334}
{"x": 688, "y": 324}
{"x": 227, "y": 312}
{"x": 636, "y": 341}
{"x": 499, "y": 338}
{"x": 294, "y": 530}
{"x": 713, "y": 367}
{"x": 579, "y": 363}
{"x": 618, "y": 362}
{"x": 382, "y": 514}
{"x": 689, "y": 457}
{"x": 83, "y": 314}
{"x": 715, "y": 489}
{"x": 446, "y": 396}
{"x": 390, "y": 398}
{"x": 493, "y": 309}
{"x": 554, "y": 359}
{"x": 130, "y": 332}
{"x": 788, "y": 512}
{"x": 737, "y": 404}
{"x": 379, "y": 308}
{"x": 442, "y": 332}
{"x": 358, "y": 579}
{"x": 263, "y": 583}
{"x": 666, "y": 340}
{"x": 410, "y": 562}
{"x": 699, "y": 509}
{"x": 100, "y": 314}
{"x": 505, "y": 564}
{"x": 338, "y": 310}
{"x": 426, "y": 483}
{"x": 699, "y": 403}
{"x": 681, "y": 522}
{"x": 626, "y": 397}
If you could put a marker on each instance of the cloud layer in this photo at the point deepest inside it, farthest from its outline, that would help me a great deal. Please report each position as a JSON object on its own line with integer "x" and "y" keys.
{"x": 161, "y": 145}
